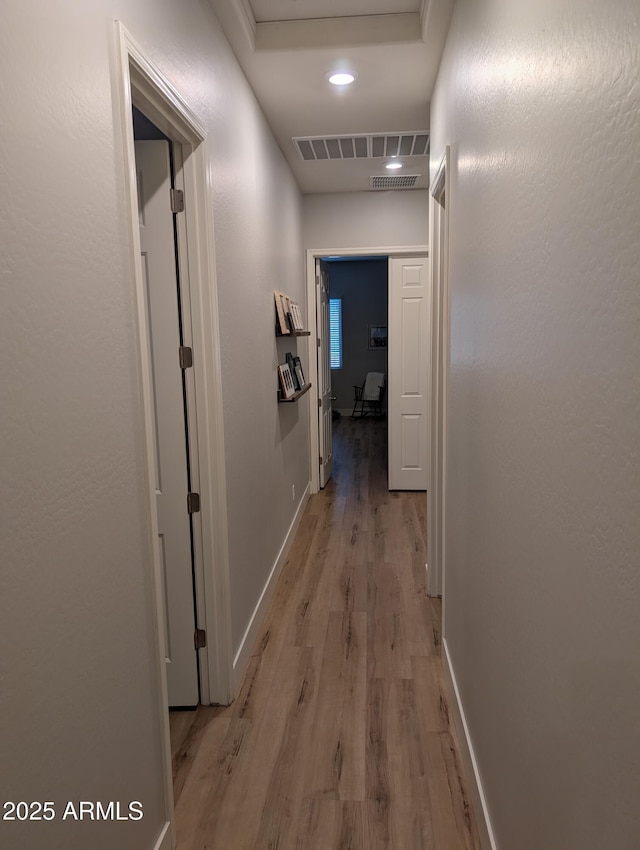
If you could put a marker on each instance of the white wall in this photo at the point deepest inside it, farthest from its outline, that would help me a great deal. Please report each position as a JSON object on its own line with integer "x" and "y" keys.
{"x": 541, "y": 106}
{"x": 77, "y": 696}
{"x": 366, "y": 219}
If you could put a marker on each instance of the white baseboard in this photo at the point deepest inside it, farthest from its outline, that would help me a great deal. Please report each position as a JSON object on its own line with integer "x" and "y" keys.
{"x": 476, "y": 791}
{"x": 243, "y": 654}
{"x": 164, "y": 841}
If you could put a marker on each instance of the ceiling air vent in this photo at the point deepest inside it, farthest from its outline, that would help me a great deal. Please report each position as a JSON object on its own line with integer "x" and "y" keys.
{"x": 313, "y": 148}
{"x": 406, "y": 181}
{"x": 400, "y": 144}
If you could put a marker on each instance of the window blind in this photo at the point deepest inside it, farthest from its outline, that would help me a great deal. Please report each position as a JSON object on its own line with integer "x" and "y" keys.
{"x": 335, "y": 333}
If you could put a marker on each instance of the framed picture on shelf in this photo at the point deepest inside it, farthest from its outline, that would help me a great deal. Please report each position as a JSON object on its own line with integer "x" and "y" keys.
{"x": 283, "y": 325}
{"x": 296, "y": 313}
{"x": 297, "y": 368}
{"x": 292, "y": 368}
{"x": 288, "y": 309}
{"x": 377, "y": 336}
{"x": 286, "y": 381}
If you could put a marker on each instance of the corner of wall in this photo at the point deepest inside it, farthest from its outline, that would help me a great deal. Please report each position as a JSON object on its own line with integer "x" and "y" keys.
{"x": 469, "y": 763}
{"x": 245, "y": 650}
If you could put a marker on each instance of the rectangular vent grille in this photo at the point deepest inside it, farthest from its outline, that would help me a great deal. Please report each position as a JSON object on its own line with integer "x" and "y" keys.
{"x": 406, "y": 181}
{"x": 371, "y": 146}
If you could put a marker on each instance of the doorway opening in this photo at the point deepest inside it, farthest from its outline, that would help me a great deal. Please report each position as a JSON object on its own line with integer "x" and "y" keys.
{"x": 144, "y": 87}
{"x": 141, "y": 85}
{"x": 168, "y": 328}
{"x": 403, "y": 360}
{"x": 351, "y": 310}
{"x": 359, "y": 285}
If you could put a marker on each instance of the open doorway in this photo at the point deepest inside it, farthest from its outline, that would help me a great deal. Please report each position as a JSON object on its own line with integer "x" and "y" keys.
{"x": 406, "y": 331}
{"x": 351, "y": 319}
{"x": 168, "y": 327}
{"x": 194, "y": 352}
{"x": 140, "y": 84}
{"x": 359, "y": 313}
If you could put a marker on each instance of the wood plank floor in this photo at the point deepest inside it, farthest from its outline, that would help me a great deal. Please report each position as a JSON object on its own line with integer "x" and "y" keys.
{"x": 339, "y": 738}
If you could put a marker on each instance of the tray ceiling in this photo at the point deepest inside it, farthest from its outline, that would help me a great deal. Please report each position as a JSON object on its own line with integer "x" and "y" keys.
{"x": 296, "y": 10}
{"x": 286, "y": 48}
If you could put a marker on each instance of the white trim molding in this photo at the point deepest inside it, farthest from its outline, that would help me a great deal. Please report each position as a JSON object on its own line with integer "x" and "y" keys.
{"x": 241, "y": 660}
{"x": 248, "y": 21}
{"x": 164, "y": 841}
{"x": 439, "y": 342}
{"x": 467, "y": 754}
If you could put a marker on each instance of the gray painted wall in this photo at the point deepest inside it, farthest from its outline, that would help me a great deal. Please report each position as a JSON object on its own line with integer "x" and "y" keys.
{"x": 78, "y": 692}
{"x": 363, "y": 287}
{"x": 366, "y": 219}
{"x": 541, "y": 106}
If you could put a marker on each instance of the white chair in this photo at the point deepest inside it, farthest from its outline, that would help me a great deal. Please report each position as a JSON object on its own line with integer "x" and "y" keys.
{"x": 368, "y": 398}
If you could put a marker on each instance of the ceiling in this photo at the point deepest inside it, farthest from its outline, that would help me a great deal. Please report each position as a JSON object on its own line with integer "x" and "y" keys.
{"x": 286, "y": 47}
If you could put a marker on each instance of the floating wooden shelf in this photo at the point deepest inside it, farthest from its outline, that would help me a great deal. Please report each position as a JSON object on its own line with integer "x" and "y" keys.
{"x": 293, "y": 333}
{"x": 295, "y": 396}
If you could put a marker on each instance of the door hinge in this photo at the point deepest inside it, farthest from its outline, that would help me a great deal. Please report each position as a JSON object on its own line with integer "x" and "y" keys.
{"x": 200, "y": 638}
{"x": 319, "y": 403}
{"x": 318, "y": 343}
{"x": 193, "y": 503}
{"x": 321, "y": 461}
{"x": 185, "y": 355}
{"x": 177, "y": 201}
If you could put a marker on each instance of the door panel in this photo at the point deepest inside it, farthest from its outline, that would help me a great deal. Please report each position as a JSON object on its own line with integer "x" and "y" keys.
{"x": 410, "y": 342}
{"x": 325, "y": 423}
{"x": 171, "y": 474}
{"x": 408, "y": 372}
{"x": 411, "y": 441}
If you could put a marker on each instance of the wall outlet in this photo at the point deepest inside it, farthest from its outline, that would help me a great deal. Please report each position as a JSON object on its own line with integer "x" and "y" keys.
{"x": 293, "y": 492}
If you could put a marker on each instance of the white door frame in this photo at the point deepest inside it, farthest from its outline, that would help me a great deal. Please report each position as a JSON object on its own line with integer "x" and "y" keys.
{"x": 440, "y": 345}
{"x": 311, "y": 255}
{"x": 138, "y": 82}
{"x": 323, "y": 394}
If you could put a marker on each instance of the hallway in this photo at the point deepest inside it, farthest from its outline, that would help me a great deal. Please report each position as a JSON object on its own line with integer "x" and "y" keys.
{"x": 340, "y": 735}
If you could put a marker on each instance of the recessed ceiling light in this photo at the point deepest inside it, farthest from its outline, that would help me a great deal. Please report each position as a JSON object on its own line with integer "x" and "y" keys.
{"x": 393, "y": 165}
{"x": 340, "y": 78}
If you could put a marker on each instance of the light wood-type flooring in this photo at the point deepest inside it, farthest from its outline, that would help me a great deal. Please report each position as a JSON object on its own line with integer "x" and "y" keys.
{"x": 339, "y": 738}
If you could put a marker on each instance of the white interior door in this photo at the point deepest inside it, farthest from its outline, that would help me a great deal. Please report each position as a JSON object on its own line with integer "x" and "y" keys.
{"x": 409, "y": 309}
{"x": 159, "y": 274}
{"x": 325, "y": 418}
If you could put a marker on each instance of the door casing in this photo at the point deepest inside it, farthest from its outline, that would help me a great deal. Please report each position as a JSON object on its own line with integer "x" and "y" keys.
{"x": 440, "y": 344}
{"x": 136, "y": 81}
{"x": 325, "y": 423}
{"x": 311, "y": 255}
